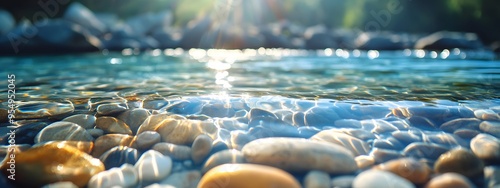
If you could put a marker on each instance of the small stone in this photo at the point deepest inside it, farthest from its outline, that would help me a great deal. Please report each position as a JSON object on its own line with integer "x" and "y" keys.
{"x": 317, "y": 179}
{"x": 407, "y": 137}
{"x": 118, "y": 156}
{"x": 343, "y": 181}
{"x": 223, "y": 157}
{"x": 486, "y": 115}
{"x": 111, "y": 125}
{"x": 492, "y": 176}
{"x": 491, "y": 127}
{"x": 176, "y": 152}
{"x": 106, "y": 142}
{"x": 125, "y": 176}
{"x": 186, "y": 179}
{"x": 379, "y": 178}
{"x": 41, "y": 109}
{"x": 364, "y": 161}
{"x": 85, "y": 120}
{"x": 320, "y": 117}
{"x": 153, "y": 166}
{"x": 461, "y": 123}
{"x": 111, "y": 109}
{"x": 52, "y": 163}
{"x": 245, "y": 176}
{"x": 383, "y": 155}
{"x": 450, "y": 180}
{"x": 486, "y": 147}
{"x": 460, "y": 161}
{"x": 355, "y": 145}
{"x": 154, "y": 121}
{"x": 202, "y": 146}
{"x": 300, "y": 155}
{"x": 63, "y": 131}
{"x": 184, "y": 132}
{"x": 159, "y": 186}
{"x": 466, "y": 133}
{"x": 63, "y": 184}
{"x": 424, "y": 150}
{"x": 134, "y": 118}
{"x": 408, "y": 168}
{"x": 260, "y": 113}
{"x": 147, "y": 139}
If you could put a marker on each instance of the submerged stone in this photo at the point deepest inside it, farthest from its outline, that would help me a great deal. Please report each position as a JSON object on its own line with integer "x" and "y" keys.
{"x": 459, "y": 161}
{"x": 63, "y": 131}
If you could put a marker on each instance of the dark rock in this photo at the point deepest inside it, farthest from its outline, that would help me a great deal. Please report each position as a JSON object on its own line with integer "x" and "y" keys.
{"x": 25, "y": 134}
{"x": 7, "y": 22}
{"x": 448, "y": 40}
{"x": 186, "y": 107}
{"x": 144, "y": 24}
{"x": 320, "y": 117}
{"x": 119, "y": 155}
{"x": 194, "y": 32}
{"x": 318, "y": 37}
{"x": 424, "y": 150}
{"x": 165, "y": 39}
{"x": 63, "y": 36}
{"x": 217, "y": 110}
{"x": 383, "y": 41}
{"x": 81, "y": 15}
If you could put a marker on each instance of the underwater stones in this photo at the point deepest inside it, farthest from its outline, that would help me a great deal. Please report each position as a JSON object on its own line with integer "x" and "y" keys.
{"x": 81, "y": 15}
{"x": 201, "y": 147}
{"x": 185, "y": 179}
{"x": 25, "y": 134}
{"x": 40, "y": 109}
{"x": 134, "y": 118}
{"x": 260, "y": 113}
{"x": 461, "y": 123}
{"x": 111, "y": 109}
{"x": 486, "y": 147}
{"x": 379, "y": 178}
{"x": 364, "y": 161}
{"x": 153, "y": 166}
{"x": 118, "y": 156}
{"x": 317, "y": 179}
{"x": 300, "y": 155}
{"x": 424, "y": 150}
{"x": 154, "y": 121}
{"x": 408, "y": 168}
{"x": 51, "y": 163}
{"x": 492, "y": 176}
{"x": 342, "y": 181}
{"x": 223, "y": 157}
{"x": 125, "y": 176}
{"x": 147, "y": 139}
{"x": 407, "y": 137}
{"x": 184, "y": 132}
{"x": 245, "y": 176}
{"x": 176, "y": 152}
{"x": 111, "y": 125}
{"x": 85, "y": 120}
{"x": 449, "y": 179}
{"x": 383, "y": 155}
{"x": 486, "y": 114}
{"x": 63, "y": 131}
{"x": 460, "y": 161}
{"x": 218, "y": 110}
{"x": 106, "y": 142}
{"x": 491, "y": 127}
{"x": 320, "y": 117}
{"x": 355, "y": 145}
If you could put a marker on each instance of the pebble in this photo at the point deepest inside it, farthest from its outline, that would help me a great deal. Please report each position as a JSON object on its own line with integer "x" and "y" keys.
{"x": 383, "y": 155}
{"x": 84, "y": 146}
{"x": 245, "y": 176}
{"x": 379, "y": 178}
{"x": 408, "y": 168}
{"x": 62, "y": 184}
{"x": 153, "y": 166}
{"x": 260, "y": 113}
{"x": 202, "y": 146}
{"x": 486, "y": 147}
{"x": 111, "y": 109}
{"x": 317, "y": 179}
{"x": 300, "y": 155}
{"x": 85, "y": 120}
{"x": 355, "y": 145}
{"x": 111, "y": 125}
{"x": 53, "y": 162}
{"x": 460, "y": 161}
{"x": 491, "y": 127}
{"x": 320, "y": 117}
{"x": 424, "y": 150}
{"x": 147, "y": 139}
{"x": 63, "y": 131}
{"x": 184, "y": 132}
{"x": 106, "y": 142}
{"x": 95, "y": 133}
{"x": 342, "y": 181}
{"x": 388, "y": 143}
{"x": 223, "y": 157}
{"x": 176, "y": 152}
{"x": 466, "y": 133}
{"x": 364, "y": 161}
{"x": 118, "y": 156}
{"x": 41, "y": 109}
{"x": 450, "y": 180}
{"x": 461, "y": 123}
{"x": 125, "y": 176}
{"x": 380, "y": 126}
{"x": 486, "y": 114}
{"x": 185, "y": 179}
{"x": 492, "y": 176}
{"x": 154, "y": 104}
{"x": 218, "y": 110}
{"x": 134, "y": 118}
{"x": 156, "y": 120}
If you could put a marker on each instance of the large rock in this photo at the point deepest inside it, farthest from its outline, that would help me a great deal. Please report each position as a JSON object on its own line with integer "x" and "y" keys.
{"x": 41, "y": 109}
{"x": 7, "y": 22}
{"x": 81, "y": 15}
{"x": 300, "y": 155}
{"x": 449, "y": 40}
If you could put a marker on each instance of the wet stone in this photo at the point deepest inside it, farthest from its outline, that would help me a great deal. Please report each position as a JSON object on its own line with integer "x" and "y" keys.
{"x": 185, "y": 107}
{"x": 466, "y": 133}
{"x": 347, "y": 123}
{"x": 364, "y": 161}
{"x": 486, "y": 147}
{"x": 125, "y": 176}
{"x": 298, "y": 119}
{"x": 381, "y": 126}
{"x": 200, "y": 149}
{"x": 184, "y": 132}
{"x": 379, "y": 178}
{"x": 300, "y": 155}
{"x": 95, "y": 133}
{"x": 342, "y": 181}
{"x": 85, "y": 120}
{"x": 5, "y": 149}
{"x": 462, "y": 123}
{"x": 383, "y": 155}
{"x": 218, "y": 110}
{"x": 260, "y": 113}
{"x": 185, "y": 179}
{"x": 83, "y": 146}
{"x": 245, "y": 176}
{"x": 52, "y": 163}
{"x": 446, "y": 139}
{"x": 492, "y": 176}
{"x": 154, "y": 121}
{"x": 134, "y": 118}
{"x": 63, "y": 184}
{"x": 154, "y": 104}
{"x": 118, "y": 156}
{"x": 176, "y": 152}
{"x": 408, "y": 168}
{"x": 111, "y": 125}
{"x": 41, "y": 109}
{"x": 223, "y": 157}
{"x": 147, "y": 139}
{"x": 317, "y": 179}
{"x": 389, "y": 143}
{"x": 459, "y": 161}
{"x": 63, "y": 131}
{"x": 407, "y": 137}
{"x": 355, "y": 145}
{"x": 423, "y": 123}
{"x": 424, "y": 150}
{"x": 486, "y": 114}
{"x": 24, "y": 134}
{"x": 111, "y": 109}
{"x": 320, "y": 117}
{"x": 153, "y": 160}
{"x": 450, "y": 180}
{"x": 491, "y": 127}
{"x": 106, "y": 142}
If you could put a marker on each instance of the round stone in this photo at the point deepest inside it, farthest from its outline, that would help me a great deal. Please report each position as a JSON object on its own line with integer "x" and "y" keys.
{"x": 460, "y": 161}
{"x": 223, "y": 157}
{"x": 111, "y": 108}
{"x": 80, "y": 145}
{"x": 176, "y": 152}
{"x": 62, "y": 184}
{"x": 125, "y": 176}
{"x": 85, "y": 120}
{"x": 300, "y": 155}
{"x": 343, "y": 181}
{"x": 153, "y": 166}
{"x": 52, "y": 163}
{"x": 147, "y": 139}
{"x": 408, "y": 168}
{"x": 364, "y": 161}
{"x": 134, "y": 118}
{"x": 111, "y": 125}
{"x": 320, "y": 117}
{"x": 491, "y": 127}
{"x": 188, "y": 179}
{"x": 461, "y": 123}
{"x": 492, "y": 176}
{"x": 245, "y": 176}
{"x": 486, "y": 147}
{"x": 202, "y": 146}
{"x": 379, "y": 178}
{"x": 317, "y": 179}
{"x": 184, "y": 132}
{"x": 40, "y": 109}
{"x": 63, "y": 131}
{"x": 106, "y": 142}
{"x": 95, "y": 133}
{"x": 424, "y": 150}
{"x": 118, "y": 156}
{"x": 450, "y": 180}
{"x": 355, "y": 145}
